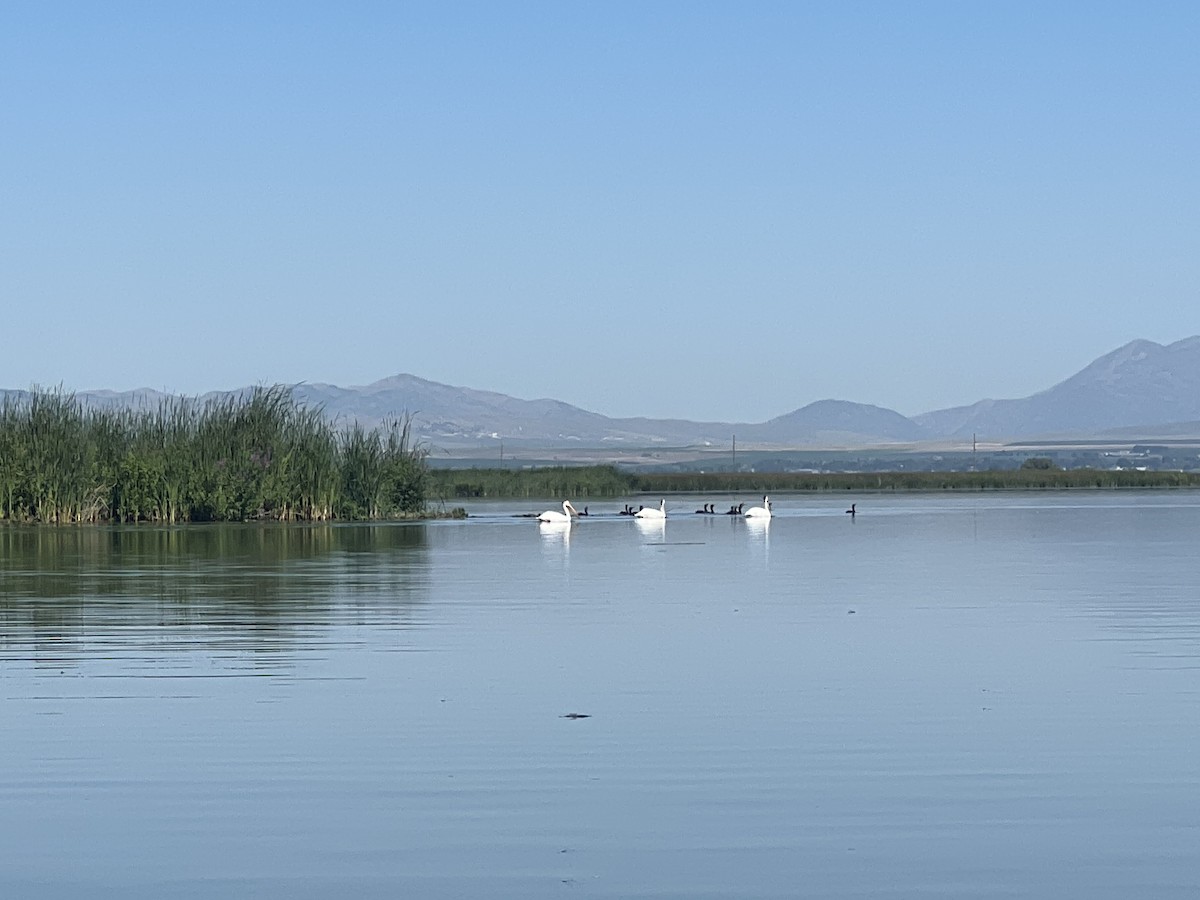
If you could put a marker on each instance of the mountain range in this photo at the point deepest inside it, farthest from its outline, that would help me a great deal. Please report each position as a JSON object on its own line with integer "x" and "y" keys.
{"x": 1140, "y": 388}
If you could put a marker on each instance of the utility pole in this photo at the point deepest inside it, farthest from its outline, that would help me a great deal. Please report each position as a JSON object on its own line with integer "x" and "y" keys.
{"x": 972, "y": 451}
{"x": 733, "y": 455}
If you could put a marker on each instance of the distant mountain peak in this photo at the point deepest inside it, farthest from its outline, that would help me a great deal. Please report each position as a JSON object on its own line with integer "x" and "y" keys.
{"x": 399, "y": 380}
{"x": 1141, "y": 383}
{"x": 839, "y": 421}
{"x": 1131, "y": 353}
{"x": 1138, "y": 359}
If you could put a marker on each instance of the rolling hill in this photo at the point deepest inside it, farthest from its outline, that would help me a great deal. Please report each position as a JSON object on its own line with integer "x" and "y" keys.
{"x": 1142, "y": 385}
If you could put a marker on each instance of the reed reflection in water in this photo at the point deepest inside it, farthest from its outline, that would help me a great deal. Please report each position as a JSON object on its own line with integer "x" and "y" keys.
{"x": 65, "y": 593}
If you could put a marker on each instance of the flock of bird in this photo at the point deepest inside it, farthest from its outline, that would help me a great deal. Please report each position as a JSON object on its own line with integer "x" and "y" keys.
{"x": 642, "y": 512}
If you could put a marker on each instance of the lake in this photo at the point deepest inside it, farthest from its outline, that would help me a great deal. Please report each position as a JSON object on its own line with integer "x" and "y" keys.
{"x": 946, "y": 696}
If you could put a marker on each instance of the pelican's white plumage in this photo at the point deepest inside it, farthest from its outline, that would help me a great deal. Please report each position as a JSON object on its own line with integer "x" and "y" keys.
{"x": 760, "y": 512}
{"x": 660, "y": 513}
{"x": 553, "y": 515}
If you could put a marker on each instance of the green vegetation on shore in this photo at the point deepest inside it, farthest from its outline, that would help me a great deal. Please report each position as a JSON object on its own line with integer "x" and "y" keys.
{"x": 608, "y": 481}
{"x": 548, "y": 481}
{"x": 261, "y": 456}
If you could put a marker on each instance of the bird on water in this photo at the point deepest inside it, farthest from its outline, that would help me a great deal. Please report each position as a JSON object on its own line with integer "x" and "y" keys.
{"x": 760, "y": 512}
{"x": 652, "y": 513}
{"x": 553, "y": 515}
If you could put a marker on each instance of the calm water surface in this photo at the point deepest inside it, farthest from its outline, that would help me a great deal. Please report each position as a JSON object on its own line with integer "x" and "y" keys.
{"x": 986, "y": 696}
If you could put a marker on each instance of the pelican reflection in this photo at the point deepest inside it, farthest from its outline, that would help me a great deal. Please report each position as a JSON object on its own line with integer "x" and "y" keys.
{"x": 651, "y": 528}
{"x": 556, "y": 536}
{"x": 759, "y": 529}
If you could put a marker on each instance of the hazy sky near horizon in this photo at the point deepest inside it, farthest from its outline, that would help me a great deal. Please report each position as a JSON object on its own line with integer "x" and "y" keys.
{"x": 704, "y": 210}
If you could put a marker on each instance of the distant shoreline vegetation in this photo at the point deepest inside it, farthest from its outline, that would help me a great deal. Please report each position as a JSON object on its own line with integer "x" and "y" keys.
{"x": 257, "y": 457}
{"x": 609, "y": 481}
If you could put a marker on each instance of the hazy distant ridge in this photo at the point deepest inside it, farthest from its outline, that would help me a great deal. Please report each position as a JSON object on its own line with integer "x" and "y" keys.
{"x": 1142, "y": 384}
{"x": 1139, "y": 384}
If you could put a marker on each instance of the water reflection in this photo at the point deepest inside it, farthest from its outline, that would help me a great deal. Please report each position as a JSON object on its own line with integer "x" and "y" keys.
{"x": 651, "y": 529}
{"x": 556, "y": 539}
{"x": 759, "y": 532}
{"x": 242, "y": 587}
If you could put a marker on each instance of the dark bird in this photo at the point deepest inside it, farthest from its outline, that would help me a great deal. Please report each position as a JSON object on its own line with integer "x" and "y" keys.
{"x": 850, "y": 512}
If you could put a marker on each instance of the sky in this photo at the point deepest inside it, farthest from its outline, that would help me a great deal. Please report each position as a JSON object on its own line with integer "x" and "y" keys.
{"x": 715, "y": 211}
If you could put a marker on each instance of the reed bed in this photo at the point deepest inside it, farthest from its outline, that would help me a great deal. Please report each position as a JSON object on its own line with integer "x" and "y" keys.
{"x": 608, "y": 481}
{"x": 544, "y": 481}
{"x": 995, "y": 480}
{"x": 257, "y": 456}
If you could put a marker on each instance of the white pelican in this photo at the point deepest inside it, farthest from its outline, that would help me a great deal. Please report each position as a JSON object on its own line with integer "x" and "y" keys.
{"x": 760, "y": 512}
{"x": 553, "y": 515}
{"x": 651, "y": 513}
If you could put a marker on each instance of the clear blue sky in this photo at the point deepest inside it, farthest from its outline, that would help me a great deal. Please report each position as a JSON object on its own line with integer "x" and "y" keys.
{"x": 705, "y": 210}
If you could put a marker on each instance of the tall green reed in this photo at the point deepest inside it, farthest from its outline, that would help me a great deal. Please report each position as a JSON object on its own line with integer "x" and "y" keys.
{"x": 258, "y": 455}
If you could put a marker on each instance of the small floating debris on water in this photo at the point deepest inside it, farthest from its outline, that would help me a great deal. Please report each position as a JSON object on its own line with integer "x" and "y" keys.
{"x": 849, "y": 612}
{"x": 576, "y": 716}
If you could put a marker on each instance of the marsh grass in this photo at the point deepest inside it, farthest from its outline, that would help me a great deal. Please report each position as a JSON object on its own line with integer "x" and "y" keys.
{"x": 259, "y": 455}
{"x": 548, "y": 481}
{"x": 608, "y": 481}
